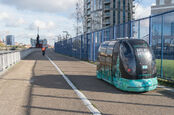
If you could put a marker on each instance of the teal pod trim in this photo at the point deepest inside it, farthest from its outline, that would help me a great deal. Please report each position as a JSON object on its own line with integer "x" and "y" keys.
{"x": 138, "y": 85}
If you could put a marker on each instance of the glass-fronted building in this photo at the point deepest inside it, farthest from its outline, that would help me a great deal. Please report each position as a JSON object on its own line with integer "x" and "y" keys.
{"x": 101, "y": 14}
{"x": 10, "y": 40}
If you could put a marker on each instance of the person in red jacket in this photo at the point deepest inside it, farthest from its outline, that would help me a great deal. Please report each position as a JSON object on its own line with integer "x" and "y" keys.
{"x": 43, "y": 50}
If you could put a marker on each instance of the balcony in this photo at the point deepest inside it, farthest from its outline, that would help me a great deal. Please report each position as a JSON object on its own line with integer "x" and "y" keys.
{"x": 88, "y": 19}
{"x": 88, "y": 1}
{"x": 107, "y": 14}
{"x": 88, "y": 12}
{"x": 107, "y": 22}
{"x": 88, "y": 7}
{"x": 88, "y": 24}
{"x": 107, "y": 1}
{"x": 107, "y": 7}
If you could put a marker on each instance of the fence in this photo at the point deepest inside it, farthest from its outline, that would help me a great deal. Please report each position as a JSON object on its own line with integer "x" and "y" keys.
{"x": 157, "y": 30}
{"x": 9, "y": 58}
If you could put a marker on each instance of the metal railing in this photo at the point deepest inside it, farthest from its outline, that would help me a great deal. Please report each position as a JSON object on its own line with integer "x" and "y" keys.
{"x": 157, "y": 30}
{"x": 9, "y": 58}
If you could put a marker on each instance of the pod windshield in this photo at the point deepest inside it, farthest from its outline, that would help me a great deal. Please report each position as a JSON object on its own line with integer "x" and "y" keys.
{"x": 137, "y": 58}
{"x": 142, "y": 51}
{"x": 145, "y": 59}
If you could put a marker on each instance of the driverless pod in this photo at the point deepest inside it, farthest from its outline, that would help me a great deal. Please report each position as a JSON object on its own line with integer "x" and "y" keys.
{"x": 128, "y": 64}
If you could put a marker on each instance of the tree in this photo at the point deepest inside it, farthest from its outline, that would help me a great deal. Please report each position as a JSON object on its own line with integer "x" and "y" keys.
{"x": 2, "y": 45}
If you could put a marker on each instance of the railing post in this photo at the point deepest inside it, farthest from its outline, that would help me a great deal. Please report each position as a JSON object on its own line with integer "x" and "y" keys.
{"x": 3, "y": 61}
{"x": 150, "y": 31}
{"x": 87, "y": 47}
{"x": 114, "y": 32}
{"x": 81, "y": 47}
{"x": 102, "y": 36}
{"x": 139, "y": 29}
{"x": 90, "y": 52}
{"x": 162, "y": 45}
{"x": 1, "y": 64}
{"x": 71, "y": 48}
{"x": 94, "y": 47}
{"x": 130, "y": 28}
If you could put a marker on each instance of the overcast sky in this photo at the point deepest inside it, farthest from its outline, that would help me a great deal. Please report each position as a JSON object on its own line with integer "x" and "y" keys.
{"x": 22, "y": 17}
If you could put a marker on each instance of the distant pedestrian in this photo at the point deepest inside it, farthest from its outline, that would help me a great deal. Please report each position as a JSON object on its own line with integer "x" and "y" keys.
{"x": 43, "y": 50}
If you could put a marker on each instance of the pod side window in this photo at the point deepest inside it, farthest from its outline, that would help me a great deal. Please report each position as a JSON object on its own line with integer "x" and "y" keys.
{"x": 115, "y": 57}
{"x": 102, "y": 56}
{"x": 109, "y": 52}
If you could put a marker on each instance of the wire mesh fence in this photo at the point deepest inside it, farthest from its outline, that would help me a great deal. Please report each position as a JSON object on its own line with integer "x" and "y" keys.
{"x": 157, "y": 30}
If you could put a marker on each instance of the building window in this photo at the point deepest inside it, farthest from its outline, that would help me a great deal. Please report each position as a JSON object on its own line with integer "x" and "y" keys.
{"x": 94, "y": 5}
{"x": 172, "y": 29}
{"x": 89, "y": 6}
{"x": 161, "y": 2}
{"x": 118, "y": 15}
{"x": 124, "y": 11}
{"x": 100, "y": 4}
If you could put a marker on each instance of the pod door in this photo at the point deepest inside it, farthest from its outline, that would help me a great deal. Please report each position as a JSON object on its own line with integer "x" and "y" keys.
{"x": 127, "y": 61}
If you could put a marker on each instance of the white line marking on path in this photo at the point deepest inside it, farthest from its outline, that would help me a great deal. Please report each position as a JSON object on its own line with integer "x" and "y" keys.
{"x": 86, "y": 102}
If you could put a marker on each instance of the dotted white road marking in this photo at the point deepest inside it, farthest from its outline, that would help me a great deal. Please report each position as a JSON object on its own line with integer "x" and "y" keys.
{"x": 86, "y": 102}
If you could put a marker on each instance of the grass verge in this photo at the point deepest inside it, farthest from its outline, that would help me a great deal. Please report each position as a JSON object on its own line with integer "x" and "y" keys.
{"x": 166, "y": 82}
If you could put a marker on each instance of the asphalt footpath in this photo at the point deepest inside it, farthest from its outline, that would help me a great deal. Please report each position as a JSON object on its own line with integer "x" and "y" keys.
{"x": 108, "y": 99}
{"x": 35, "y": 87}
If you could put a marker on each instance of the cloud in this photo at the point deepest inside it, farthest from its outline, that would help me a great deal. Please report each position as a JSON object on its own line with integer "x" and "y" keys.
{"x": 142, "y": 11}
{"x": 41, "y": 25}
{"x": 12, "y": 22}
{"x": 22, "y": 22}
{"x": 42, "y": 5}
{"x": 4, "y": 15}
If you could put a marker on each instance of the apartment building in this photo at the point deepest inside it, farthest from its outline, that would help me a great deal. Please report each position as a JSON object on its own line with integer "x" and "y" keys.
{"x": 104, "y": 13}
{"x": 162, "y": 6}
{"x": 10, "y": 40}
